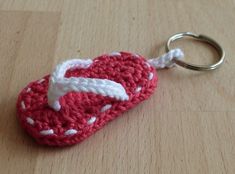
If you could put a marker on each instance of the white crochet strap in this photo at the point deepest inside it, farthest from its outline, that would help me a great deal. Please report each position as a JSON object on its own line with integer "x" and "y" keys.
{"x": 59, "y": 85}
{"x": 166, "y": 60}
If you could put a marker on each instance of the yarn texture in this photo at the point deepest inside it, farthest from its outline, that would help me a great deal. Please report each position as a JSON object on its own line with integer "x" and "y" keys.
{"x": 60, "y": 85}
{"x": 88, "y": 96}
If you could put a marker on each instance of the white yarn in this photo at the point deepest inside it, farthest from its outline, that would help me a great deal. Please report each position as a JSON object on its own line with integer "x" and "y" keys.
{"x": 23, "y": 105}
{"x": 30, "y": 120}
{"x": 70, "y": 132}
{"x": 61, "y": 69}
{"x": 138, "y": 89}
{"x": 150, "y": 77}
{"x": 105, "y": 108}
{"x": 115, "y": 54}
{"x": 60, "y": 85}
{"x": 91, "y": 120}
{"x": 166, "y": 60}
{"x": 47, "y": 132}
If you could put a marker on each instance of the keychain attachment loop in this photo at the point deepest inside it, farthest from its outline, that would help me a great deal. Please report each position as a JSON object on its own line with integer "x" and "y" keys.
{"x": 202, "y": 38}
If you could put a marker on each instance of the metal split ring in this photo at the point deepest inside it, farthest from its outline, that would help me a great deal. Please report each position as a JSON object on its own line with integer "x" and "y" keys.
{"x": 201, "y": 38}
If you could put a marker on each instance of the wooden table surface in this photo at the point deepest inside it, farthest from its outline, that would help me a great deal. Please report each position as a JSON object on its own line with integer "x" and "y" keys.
{"x": 186, "y": 127}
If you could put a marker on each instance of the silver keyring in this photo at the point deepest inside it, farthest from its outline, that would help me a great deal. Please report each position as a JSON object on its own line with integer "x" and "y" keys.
{"x": 202, "y": 38}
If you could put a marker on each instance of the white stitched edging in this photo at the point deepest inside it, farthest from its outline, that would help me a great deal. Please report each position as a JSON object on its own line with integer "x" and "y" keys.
{"x": 150, "y": 77}
{"x": 91, "y": 120}
{"x": 71, "y": 132}
{"x": 28, "y": 89}
{"x": 40, "y": 81}
{"x": 30, "y": 120}
{"x": 23, "y": 105}
{"x": 148, "y": 65}
{"x": 115, "y": 54}
{"x": 47, "y": 132}
{"x": 105, "y": 108}
{"x": 136, "y": 55}
{"x": 138, "y": 89}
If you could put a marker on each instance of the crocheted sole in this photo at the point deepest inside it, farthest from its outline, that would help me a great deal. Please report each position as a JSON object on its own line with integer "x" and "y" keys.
{"x": 83, "y": 113}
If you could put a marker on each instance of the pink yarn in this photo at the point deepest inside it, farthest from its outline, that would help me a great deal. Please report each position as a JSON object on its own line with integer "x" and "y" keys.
{"x": 81, "y": 113}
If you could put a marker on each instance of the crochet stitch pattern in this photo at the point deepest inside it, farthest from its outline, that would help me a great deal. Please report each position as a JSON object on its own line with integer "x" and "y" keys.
{"x": 95, "y": 94}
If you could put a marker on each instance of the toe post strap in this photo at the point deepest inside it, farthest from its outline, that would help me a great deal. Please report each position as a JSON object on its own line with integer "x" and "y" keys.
{"x": 59, "y": 85}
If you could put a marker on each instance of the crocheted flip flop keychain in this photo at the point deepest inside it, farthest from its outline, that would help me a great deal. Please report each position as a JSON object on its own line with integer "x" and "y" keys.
{"x": 81, "y": 96}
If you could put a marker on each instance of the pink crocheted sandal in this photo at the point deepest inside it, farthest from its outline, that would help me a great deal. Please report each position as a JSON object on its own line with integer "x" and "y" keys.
{"x": 81, "y": 96}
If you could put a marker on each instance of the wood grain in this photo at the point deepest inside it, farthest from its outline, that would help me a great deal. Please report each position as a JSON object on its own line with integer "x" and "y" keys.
{"x": 187, "y": 126}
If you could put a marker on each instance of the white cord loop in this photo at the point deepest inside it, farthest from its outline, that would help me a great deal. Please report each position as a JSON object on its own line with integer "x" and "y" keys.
{"x": 166, "y": 60}
{"x": 60, "y": 85}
